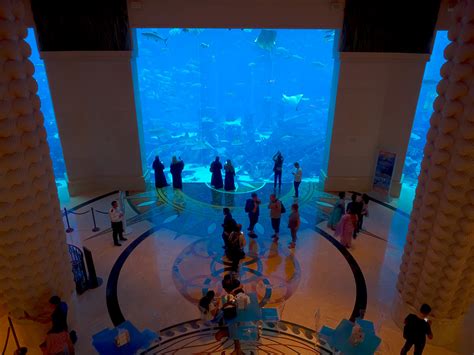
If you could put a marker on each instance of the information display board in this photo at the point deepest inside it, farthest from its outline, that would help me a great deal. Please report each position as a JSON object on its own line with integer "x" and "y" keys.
{"x": 384, "y": 172}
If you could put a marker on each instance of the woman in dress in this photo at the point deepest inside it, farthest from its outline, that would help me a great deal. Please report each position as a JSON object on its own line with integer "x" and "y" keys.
{"x": 346, "y": 226}
{"x": 229, "y": 184}
{"x": 337, "y": 211}
{"x": 160, "y": 179}
{"x": 216, "y": 179}
{"x": 176, "y": 169}
{"x": 294, "y": 223}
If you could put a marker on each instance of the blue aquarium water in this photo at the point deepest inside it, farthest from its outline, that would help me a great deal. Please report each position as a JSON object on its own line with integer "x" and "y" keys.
{"x": 239, "y": 94}
{"x": 47, "y": 108}
{"x": 424, "y": 109}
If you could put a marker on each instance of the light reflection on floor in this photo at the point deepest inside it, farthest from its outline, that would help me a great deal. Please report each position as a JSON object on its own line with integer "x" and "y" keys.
{"x": 150, "y": 296}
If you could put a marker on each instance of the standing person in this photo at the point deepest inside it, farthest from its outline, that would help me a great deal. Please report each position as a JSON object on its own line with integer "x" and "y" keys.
{"x": 337, "y": 211}
{"x": 346, "y": 227}
{"x": 294, "y": 223}
{"x": 235, "y": 250}
{"x": 176, "y": 168}
{"x": 216, "y": 179}
{"x": 416, "y": 329}
{"x": 277, "y": 169}
{"x": 228, "y": 226}
{"x": 252, "y": 207}
{"x": 364, "y": 210}
{"x": 356, "y": 207}
{"x": 209, "y": 307}
{"x": 160, "y": 179}
{"x": 276, "y": 209}
{"x": 229, "y": 184}
{"x": 117, "y": 226}
{"x": 59, "y": 314}
{"x": 58, "y": 342}
{"x": 298, "y": 174}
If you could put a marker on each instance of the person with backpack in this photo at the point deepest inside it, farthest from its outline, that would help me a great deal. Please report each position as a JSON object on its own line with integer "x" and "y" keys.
{"x": 276, "y": 209}
{"x": 417, "y": 327}
{"x": 253, "y": 210}
{"x": 235, "y": 248}
{"x": 228, "y": 226}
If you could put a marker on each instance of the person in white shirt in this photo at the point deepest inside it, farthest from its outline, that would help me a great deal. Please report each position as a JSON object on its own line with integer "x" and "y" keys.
{"x": 297, "y": 180}
{"x": 117, "y": 226}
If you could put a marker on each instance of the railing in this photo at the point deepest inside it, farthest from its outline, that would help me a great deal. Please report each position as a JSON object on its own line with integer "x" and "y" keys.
{"x": 83, "y": 280}
{"x": 11, "y": 330}
{"x": 92, "y": 212}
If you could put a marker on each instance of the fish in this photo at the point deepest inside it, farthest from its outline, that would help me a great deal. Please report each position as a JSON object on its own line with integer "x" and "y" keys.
{"x": 251, "y": 64}
{"x": 415, "y": 136}
{"x": 282, "y": 51}
{"x": 236, "y": 122}
{"x": 329, "y": 35}
{"x": 297, "y": 57}
{"x": 293, "y": 100}
{"x": 271, "y": 81}
{"x": 248, "y": 30}
{"x": 318, "y": 64}
{"x": 204, "y": 45}
{"x": 194, "y": 31}
{"x": 155, "y": 37}
{"x": 196, "y": 85}
{"x": 266, "y": 39}
{"x": 175, "y": 31}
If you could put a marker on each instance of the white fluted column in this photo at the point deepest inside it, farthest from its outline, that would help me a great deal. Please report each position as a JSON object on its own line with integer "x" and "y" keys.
{"x": 34, "y": 262}
{"x": 438, "y": 262}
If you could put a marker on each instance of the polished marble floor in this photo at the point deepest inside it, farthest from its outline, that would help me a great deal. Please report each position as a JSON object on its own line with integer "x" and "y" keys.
{"x": 174, "y": 253}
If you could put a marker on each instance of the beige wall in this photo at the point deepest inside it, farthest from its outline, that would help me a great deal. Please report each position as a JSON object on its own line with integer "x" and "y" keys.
{"x": 95, "y": 111}
{"x": 374, "y": 107}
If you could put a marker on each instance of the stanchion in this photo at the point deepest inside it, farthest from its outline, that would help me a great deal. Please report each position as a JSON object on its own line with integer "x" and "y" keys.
{"x": 69, "y": 229}
{"x": 95, "y": 229}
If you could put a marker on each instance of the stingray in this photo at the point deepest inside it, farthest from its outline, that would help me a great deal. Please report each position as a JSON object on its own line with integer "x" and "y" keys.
{"x": 292, "y": 101}
{"x": 266, "y": 39}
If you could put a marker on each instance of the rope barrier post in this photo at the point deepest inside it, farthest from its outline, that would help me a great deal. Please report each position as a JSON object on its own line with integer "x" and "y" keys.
{"x": 95, "y": 229}
{"x": 14, "y": 333}
{"x": 69, "y": 229}
{"x": 126, "y": 230}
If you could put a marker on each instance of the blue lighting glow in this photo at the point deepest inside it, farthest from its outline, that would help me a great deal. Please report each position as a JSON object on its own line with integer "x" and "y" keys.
{"x": 424, "y": 109}
{"x": 54, "y": 141}
{"x": 238, "y": 94}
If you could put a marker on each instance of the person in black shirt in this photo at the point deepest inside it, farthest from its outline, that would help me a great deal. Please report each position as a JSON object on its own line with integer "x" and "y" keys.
{"x": 253, "y": 210}
{"x": 416, "y": 329}
{"x": 356, "y": 207}
{"x": 59, "y": 315}
{"x": 176, "y": 168}
{"x": 216, "y": 178}
{"x": 228, "y": 226}
{"x": 160, "y": 179}
{"x": 277, "y": 169}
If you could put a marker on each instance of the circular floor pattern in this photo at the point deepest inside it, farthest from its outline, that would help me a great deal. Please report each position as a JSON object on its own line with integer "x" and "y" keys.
{"x": 272, "y": 272}
{"x": 194, "y": 337}
{"x": 269, "y": 269}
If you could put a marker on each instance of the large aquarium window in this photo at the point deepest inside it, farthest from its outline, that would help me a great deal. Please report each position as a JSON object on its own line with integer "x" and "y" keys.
{"x": 47, "y": 108}
{"x": 238, "y": 94}
{"x": 424, "y": 109}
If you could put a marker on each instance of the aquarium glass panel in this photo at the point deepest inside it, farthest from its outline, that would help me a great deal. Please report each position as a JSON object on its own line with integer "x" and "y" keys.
{"x": 424, "y": 109}
{"x": 54, "y": 142}
{"x": 239, "y": 94}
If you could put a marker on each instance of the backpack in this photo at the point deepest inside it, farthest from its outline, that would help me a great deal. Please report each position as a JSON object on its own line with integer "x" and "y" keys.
{"x": 283, "y": 209}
